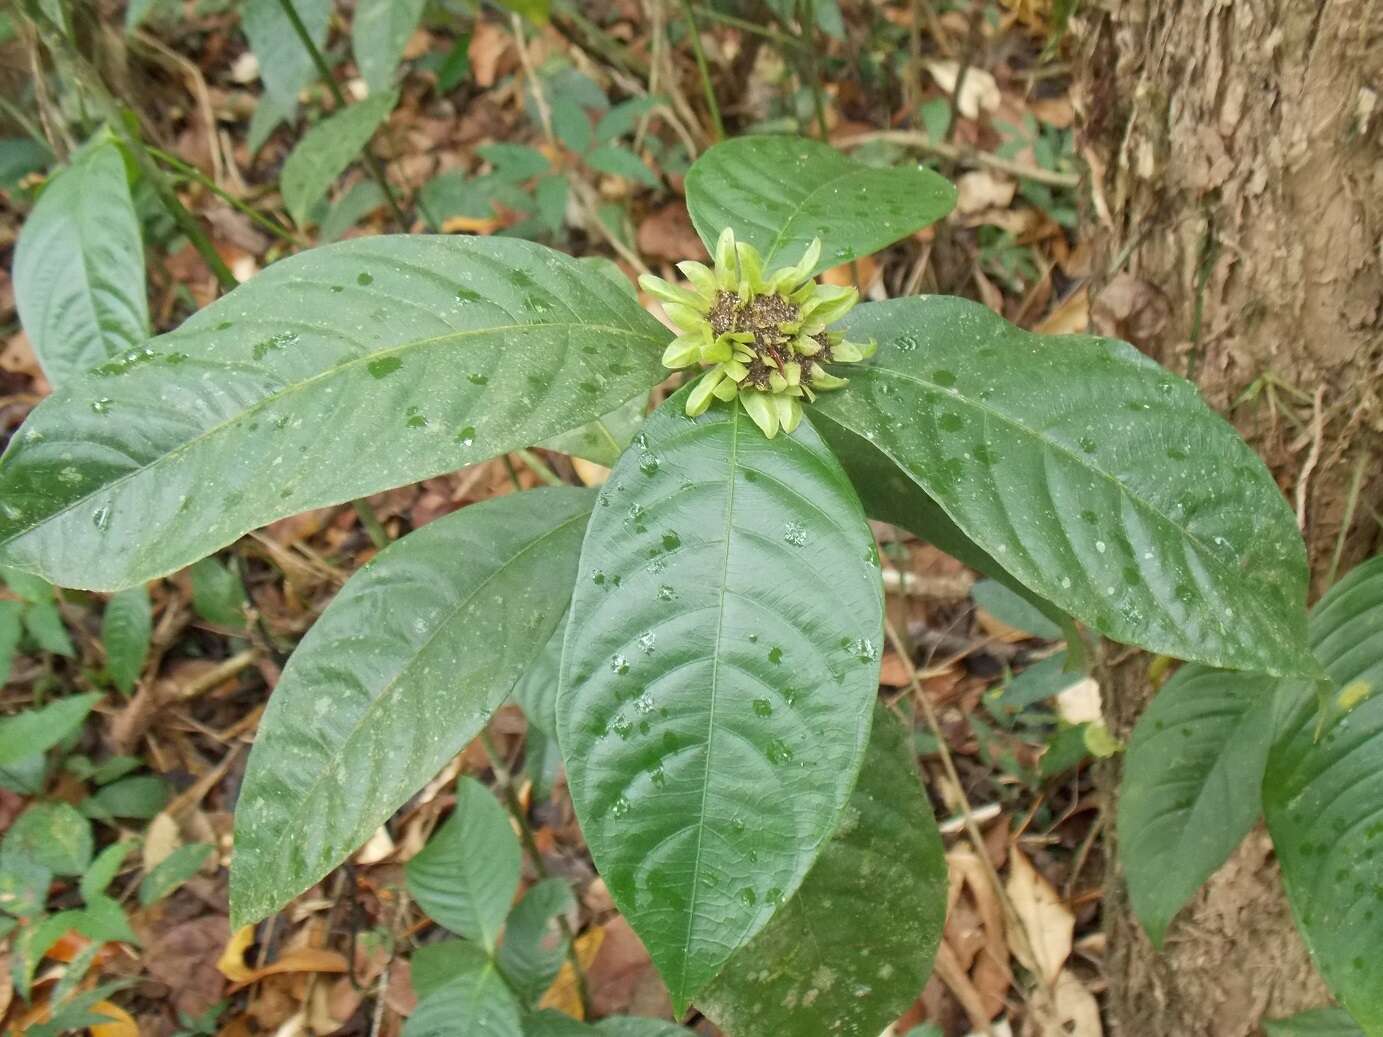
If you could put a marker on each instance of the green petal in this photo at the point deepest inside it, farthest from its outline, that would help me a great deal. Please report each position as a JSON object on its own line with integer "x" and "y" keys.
{"x": 700, "y": 397}
{"x": 727, "y": 390}
{"x": 846, "y": 353}
{"x": 736, "y": 370}
{"x": 751, "y": 270}
{"x": 717, "y": 350}
{"x": 727, "y": 269}
{"x": 702, "y": 278}
{"x": 789, "y": 412}
{"x": 668, "y": 292}
{"x": 823, "y": 381}
{"x": 685, "y": 318}
{"x": 682, "y": 351}
{"x": 763, "y": 410}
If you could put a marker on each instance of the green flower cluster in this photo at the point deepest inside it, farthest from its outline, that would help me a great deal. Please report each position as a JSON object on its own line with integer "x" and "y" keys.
{"x": 762, "y": 335}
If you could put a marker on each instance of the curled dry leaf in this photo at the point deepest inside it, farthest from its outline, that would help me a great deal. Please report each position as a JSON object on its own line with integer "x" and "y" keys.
{"x": 121, "y": 1023}
{"x": 1046, "y": 921}
{"x": 233, "y": 966}
{"x": 978, "y": 93}
{"x": 1070, "y": 1011}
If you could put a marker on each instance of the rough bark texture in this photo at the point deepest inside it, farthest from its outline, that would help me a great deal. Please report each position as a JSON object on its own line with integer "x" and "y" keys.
{"x": 1237, "y": 198}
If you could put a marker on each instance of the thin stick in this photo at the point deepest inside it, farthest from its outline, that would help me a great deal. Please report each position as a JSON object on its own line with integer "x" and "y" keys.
{"x": 538, "y": 467}
{"x": 921, "y": 142}
{"x": 378, "y": 535}
{"x": 195, "y": 174}
{"x": 90, "y": 81}
{"x": 583, "y": 191}
{"x": 506, "y": 785}
{"x": 971, "y": 45}
{"x": 1312, "y": 458}
{"x": 972, "y": 827}
{"x": 808, "y": 22}
{"x": 1351, "y": 504}
{"x": 371, "y": 163}
{"x": 704, "y": 69}
{"x": 744, "y": 25}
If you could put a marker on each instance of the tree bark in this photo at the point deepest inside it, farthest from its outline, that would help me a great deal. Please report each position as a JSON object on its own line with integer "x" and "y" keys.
{"x": 1237, "y": 194}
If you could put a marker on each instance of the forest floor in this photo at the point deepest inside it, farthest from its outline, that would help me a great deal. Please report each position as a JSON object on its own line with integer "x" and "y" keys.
{"x": 879, "y": 78}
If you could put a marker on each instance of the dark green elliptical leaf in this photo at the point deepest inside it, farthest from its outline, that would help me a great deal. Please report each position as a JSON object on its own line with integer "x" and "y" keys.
{"x": 332, "y": 375}
{"x": 379, "y": 34}
{"x": 890, "y": 496}
{"x": 1319, "y": 1022}
{"x": 79, "y": 267}
{"x": 1323, "y": 797}
{"x": 848, "y": 954}
{"x": 1098, "y": 479}
{"x": 778, "y": 193}
{"x": 402, "y": 670}
{"x": 1191, "y": 785}
{"x": 718, "y": 677}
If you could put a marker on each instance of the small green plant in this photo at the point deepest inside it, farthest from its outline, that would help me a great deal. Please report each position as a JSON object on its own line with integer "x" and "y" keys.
{"x": 707, "y": 626}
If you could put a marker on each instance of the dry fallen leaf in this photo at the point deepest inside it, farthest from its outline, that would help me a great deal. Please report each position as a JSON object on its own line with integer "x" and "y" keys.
{"x": 590, "y": 473}
{"x": 120, "y": 1025}
{"x": 160, "y": 839}
{"x": 296, "y": 959}
{"x": 978, "y": 92}
{"x": 982, "y": 190}
{"x": 1047, "y": 922}
{"x": 1071, "y": 316}
{"x": 488, "y": 44}
{"x": 1080, "y": 703}
{"x": 667, "y": 233}
{"x": 1071, "y": 1011}
{"x": 563, "y": 996}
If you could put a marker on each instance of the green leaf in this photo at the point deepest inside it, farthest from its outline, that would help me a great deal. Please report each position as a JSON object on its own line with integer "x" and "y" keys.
{"x": 1319, "y": 1022}
{"x": 20, "y": 156}
{"x": 37, "y": 730}
{"x": 1323, "y": 791}
{"x": 1096, "y": 478}
{"x": 137, "y": 11}
{"x": 403, "y": 669}
{"x": 476, "y": 1001}
{"x": 623, "y": 117}
{"x": 53, "y": 835}
{"x": 534, "y": 947}
{"x": 327, "y": 149}
{"x": 1012, "y": 609}
{"x": 218, "y": 595}
{"x": 848, "y": 953}
{"x": 621, "y": 162}
{"x": 890, "y": 496}
{"x": 550, "y": 193}
{"x": 514, "y": 163}
{"x": 173, "y": 871}
{"x": 284, "y": 63}
{"x": 11, "y": 627}
{"x": 1190, "y": 789}
{"x": 634, "y": 1026}
{"x": 466, "y": 875}
{"x": 434, "y": 965}
{"x": 360, "y": 199}
{"x": 534, "y": 10}
{"x": 43, "y": 621}
{"x": 102, "y": 871}
{"x": 455, "y": 67}
{"x": 604, "y": 439}
{"x": 379, "y": 33}
{"x": 722, "y": 655}
{"x": 778, "y": 193}
{"x": 332, "y": 375}
{"x": 140, "y": 797}
{"x": 79, "y": 267}
{"x": 125, "y": 631}
{"x": 104, "y": 920}
{"x": 24, "y": 882}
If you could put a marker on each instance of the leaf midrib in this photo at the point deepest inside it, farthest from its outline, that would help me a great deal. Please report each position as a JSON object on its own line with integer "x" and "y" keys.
{"x": 1211, "y": 558}
{"x": 296, "y": 387}
{"x": 391, "y": 687}
{"x": 729, "y": 529}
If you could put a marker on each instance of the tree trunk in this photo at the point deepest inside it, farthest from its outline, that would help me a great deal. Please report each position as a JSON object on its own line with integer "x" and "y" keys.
{"x": 1237, "y": 198}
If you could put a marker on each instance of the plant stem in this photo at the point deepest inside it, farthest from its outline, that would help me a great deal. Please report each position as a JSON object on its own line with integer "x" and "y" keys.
{"x": 538, "y": 467}
{"x": 378, "y": 535}
{"x": 505, "y": 782}
{"x": 90, "y": 81}
{"x": 193, "y": 173}
{"x": 804, "y": 15}
{"x": 371, "y": 163}
{"x": 745, "y": 25}
{"x": 948, "y": 764}
{"x": 704, "y": 70}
